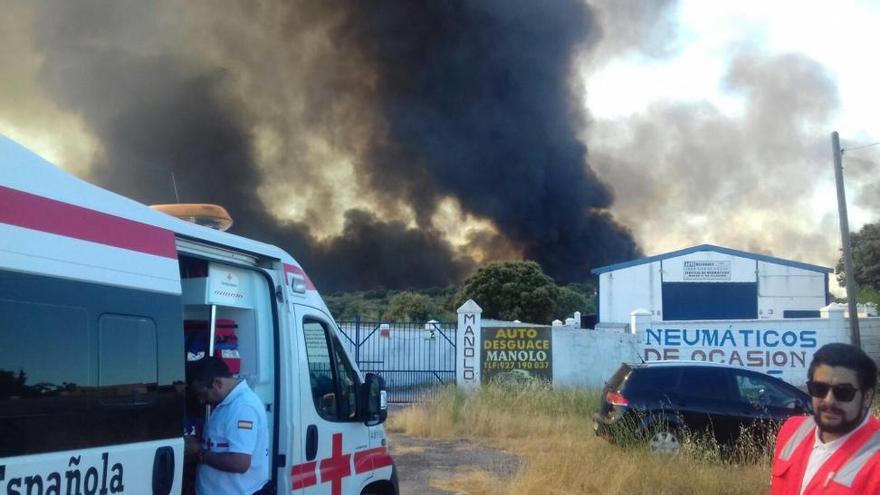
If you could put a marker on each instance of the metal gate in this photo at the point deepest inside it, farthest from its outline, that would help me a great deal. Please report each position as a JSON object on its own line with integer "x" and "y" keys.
{"x": 415, "y": 359}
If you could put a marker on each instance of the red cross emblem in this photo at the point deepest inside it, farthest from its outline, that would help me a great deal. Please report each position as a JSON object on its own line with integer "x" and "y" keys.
{"x": 335, "y": 467}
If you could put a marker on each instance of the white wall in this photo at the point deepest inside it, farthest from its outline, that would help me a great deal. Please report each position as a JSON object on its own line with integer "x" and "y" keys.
{"x": 624, "y": 290}
{"x": 783, "y": 348}
{"x": 869, "y": 332}
{"x": 586, "y": 358}
{"x": 782, "y": 288}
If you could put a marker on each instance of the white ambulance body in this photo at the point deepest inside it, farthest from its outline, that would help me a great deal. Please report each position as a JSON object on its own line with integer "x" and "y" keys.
{"x": 94, "y": 292}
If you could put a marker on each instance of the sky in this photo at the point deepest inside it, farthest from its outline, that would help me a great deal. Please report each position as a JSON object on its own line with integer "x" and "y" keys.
{"x": 703, "y": 108}
{"x": 402, "y": 145}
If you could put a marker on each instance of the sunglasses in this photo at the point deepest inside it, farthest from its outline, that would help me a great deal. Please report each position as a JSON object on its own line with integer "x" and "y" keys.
{"x": 843, "y": 393}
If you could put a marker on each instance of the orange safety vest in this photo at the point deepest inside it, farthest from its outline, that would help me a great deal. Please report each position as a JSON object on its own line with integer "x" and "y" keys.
{"x": 853, "y": 469}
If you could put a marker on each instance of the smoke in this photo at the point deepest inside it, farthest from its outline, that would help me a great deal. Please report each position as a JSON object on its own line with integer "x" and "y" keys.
{"x": 337, "y": 129}
{"x": 733, "y": 180}
{"x": 862, "y": 168}
{"x": 477, "y": 105}
{"x": 634, "y": 27}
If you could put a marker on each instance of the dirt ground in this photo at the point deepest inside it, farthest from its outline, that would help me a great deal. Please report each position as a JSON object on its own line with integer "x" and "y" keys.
{"x": 423, "y": 463}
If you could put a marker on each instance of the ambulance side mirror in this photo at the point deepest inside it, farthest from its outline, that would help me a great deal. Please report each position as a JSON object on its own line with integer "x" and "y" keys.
{"x": 373, "y": 400}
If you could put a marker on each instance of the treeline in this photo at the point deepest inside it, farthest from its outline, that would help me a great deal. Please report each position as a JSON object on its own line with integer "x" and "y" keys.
{"x": 514, "y": 290}
{"x": 417, "y": 305}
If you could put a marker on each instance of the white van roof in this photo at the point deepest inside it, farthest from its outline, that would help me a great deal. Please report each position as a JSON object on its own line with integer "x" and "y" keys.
{"x": 23, "y": 171}
{"x": 26, "y": 171}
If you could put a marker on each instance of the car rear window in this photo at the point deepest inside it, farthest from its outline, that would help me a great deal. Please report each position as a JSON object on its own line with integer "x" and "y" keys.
{"x": 648, "y": 380}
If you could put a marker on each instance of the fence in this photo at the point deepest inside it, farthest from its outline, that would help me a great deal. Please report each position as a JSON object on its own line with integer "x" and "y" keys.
{"x": 415, "y": 359}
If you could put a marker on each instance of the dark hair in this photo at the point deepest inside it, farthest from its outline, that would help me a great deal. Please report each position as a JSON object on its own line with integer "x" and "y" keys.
{"x": 205, "y": 370}
{"x": 847, "y": 356}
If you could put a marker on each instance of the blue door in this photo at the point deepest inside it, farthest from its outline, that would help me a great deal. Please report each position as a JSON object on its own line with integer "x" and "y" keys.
{"x": 710, "y": 301}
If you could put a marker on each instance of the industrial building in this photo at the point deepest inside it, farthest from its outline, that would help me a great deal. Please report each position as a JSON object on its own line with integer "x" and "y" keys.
{"x": 709, "y": 282}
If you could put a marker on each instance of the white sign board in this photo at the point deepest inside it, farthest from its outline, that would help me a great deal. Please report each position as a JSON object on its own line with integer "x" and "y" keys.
{"x": 229, "y": 287}
{"x": 706, "y": 270}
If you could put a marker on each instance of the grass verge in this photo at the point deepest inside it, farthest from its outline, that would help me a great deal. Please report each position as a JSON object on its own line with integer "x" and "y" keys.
{"x": 551, "y": 431}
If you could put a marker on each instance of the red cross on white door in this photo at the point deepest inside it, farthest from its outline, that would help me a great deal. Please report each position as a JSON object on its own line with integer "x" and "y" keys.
{"x": 335, "y": 467}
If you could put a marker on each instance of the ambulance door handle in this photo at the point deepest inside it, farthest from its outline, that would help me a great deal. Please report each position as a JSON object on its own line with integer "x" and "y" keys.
{"x": 311, "y": 442}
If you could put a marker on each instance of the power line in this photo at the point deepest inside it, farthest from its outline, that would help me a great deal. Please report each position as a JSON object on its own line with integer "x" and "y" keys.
{"x": 860, "y": 147}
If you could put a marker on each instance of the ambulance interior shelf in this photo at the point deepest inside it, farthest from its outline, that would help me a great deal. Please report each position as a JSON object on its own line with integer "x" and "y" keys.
{"x": 238, "y": 301}
{"x": 197, "y": 338}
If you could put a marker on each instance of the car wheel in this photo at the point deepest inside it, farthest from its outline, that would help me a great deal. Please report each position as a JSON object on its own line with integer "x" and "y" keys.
{"x": 664, "y": 442}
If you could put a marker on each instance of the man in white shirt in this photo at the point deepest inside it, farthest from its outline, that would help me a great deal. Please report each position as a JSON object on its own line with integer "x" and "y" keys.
{"x": 233, "y": 454}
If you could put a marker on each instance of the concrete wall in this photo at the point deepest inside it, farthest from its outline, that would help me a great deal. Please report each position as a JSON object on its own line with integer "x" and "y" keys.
{"x": 784, "y": 348}
{"x": 869, "y": 330}
{"x": 586, "y": 358}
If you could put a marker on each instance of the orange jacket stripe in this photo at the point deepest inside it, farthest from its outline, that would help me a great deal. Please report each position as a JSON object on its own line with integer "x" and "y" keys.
{"x": 840, "y": 474}
{"x": 847, "y": 475}
{"x": 806, "y": 428}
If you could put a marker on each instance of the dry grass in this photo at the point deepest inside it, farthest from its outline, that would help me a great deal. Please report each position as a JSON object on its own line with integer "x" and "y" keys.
{"x": 551, "y": 432}
{"x": 469, "y": 481}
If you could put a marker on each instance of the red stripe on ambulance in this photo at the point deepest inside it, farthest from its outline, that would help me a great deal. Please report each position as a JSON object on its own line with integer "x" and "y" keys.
{"x": 288, "y": 268}
{"x": 368, "y": 460}
{"x": 303, "y": 475}
{"x": 338, "y": 466}
{"x": 56, "y": 217}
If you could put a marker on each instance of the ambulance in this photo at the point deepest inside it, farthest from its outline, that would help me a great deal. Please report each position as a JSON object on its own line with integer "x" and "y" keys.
{"x": 102, "y": 302}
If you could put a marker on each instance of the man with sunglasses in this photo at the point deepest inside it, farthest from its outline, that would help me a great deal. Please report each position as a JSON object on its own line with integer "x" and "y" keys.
{"x": 837, "y": 450}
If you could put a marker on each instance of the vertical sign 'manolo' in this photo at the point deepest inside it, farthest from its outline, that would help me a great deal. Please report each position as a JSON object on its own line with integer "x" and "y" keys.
{"x": 467, "y": 338}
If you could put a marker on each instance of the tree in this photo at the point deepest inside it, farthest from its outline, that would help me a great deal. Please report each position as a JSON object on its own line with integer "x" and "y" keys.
{"x": 409, "y": 306}
{"x": 866, "y": 258}
{"x": 587, "y": 290}
{"x": 568, "y": 302}
{"x": 512, "y": 290}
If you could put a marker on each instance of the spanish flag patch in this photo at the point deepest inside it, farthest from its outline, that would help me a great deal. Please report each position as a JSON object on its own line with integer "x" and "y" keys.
{"x": 245, "y": 425}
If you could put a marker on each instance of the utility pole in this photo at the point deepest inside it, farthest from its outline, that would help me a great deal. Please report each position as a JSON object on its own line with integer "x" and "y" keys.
{"x": 851, "y": 289}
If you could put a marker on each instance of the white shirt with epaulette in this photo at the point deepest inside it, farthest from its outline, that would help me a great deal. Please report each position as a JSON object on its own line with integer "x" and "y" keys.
{"x": 238, "y": 424}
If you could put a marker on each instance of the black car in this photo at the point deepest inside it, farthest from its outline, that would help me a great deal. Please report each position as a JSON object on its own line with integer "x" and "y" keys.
{"x": 656, "y": 401}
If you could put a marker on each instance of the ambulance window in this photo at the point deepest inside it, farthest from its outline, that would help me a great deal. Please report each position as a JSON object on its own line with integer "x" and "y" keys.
{"x": 44, "y": 349}
{"x": 79, "y": 370}
{"x": 127, "y": 350}
{"x": 347, "y": 383}
{"x": 333, "y": 380}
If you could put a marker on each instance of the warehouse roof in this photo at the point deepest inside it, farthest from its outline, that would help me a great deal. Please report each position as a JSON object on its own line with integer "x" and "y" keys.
{"x": 717, "y": 249}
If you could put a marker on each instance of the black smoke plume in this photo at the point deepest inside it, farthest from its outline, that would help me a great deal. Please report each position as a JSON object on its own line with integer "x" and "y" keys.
{"x": 466, "y": 100}
{"x": 478, "y": 102}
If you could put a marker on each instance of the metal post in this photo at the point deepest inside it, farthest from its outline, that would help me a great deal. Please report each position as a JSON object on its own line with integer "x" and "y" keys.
{"x": 213, "y": 330}
{"x": 211, "y": 336}
{"x": 851, "y": 288}
{"x": 357, "y": 340}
